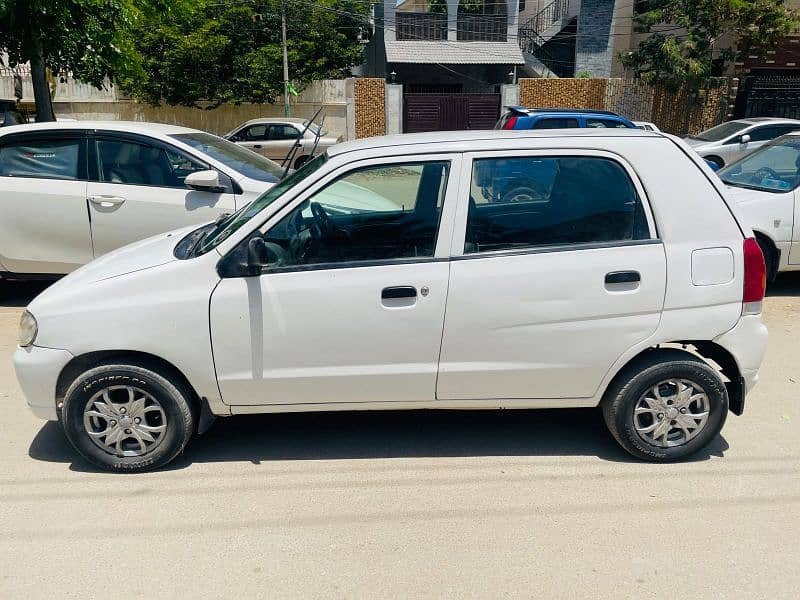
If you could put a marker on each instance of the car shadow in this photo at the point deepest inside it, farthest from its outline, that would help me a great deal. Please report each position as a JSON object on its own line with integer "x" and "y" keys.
{"x": 786, "y": 284}
{"x": 18, "y": 294}
{"x": 385, "y": 434}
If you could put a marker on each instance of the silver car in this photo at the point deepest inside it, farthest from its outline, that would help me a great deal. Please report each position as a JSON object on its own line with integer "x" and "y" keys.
{"x": 275, "y": 137}
{"x": 729, "y": 141}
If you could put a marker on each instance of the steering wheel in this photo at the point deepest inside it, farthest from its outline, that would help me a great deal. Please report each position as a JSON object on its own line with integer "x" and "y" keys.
{"x": 763, "y": 173}
{"x": 322, "y": 226}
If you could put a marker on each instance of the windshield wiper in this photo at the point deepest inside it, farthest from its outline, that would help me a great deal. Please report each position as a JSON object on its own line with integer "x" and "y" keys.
{"x": 293, "y": 150}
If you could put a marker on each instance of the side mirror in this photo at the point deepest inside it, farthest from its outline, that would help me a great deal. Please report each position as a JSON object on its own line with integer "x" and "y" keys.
{"x": 204, "y": 181}
{"x": 256, "y": 255}
{"x": 744, "y": 139}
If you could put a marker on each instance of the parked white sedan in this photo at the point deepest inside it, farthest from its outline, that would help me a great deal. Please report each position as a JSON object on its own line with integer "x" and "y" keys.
{"x": 72, "y": 191}
{"x": 764, "y": 184}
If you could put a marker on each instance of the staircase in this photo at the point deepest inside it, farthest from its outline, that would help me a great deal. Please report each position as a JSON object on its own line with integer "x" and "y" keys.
{"x": 535, "y": 32}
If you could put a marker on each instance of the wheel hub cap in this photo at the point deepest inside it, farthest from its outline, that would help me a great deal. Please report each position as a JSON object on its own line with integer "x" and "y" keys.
{"x": 125, "y": 421}
{"x": 671, "y": 413}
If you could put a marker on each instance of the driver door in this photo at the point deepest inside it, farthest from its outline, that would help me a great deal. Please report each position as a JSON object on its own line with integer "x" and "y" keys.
{"x": 351, "y": 308}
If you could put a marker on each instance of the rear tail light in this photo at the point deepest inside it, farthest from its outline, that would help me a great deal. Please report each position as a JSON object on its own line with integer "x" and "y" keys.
{"x": 755, "y": 278}
{"x": 510, "y": 123}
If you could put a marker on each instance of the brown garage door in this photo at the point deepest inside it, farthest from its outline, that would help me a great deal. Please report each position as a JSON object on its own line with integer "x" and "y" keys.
{"x": 449, "y": 112}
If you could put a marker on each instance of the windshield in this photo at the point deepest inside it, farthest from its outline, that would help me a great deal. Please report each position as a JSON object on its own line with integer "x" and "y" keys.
{"x": 242, "y": 160}
{"x": 772, "y": 168}
{"x": 720, "y": 132}
{"x": 227, "y": 227}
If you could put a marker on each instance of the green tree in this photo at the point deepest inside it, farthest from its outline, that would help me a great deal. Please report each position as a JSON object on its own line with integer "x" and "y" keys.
{"x": 87, "y": 39}
{"x": 217, "y": 52}
{"x": 691, "y": 40}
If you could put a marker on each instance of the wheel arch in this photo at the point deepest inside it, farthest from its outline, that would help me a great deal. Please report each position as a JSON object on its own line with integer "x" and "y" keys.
{"x": 764, "y": 239}
{"x": 82, "y": 363}
{"x": 713, "y": 354}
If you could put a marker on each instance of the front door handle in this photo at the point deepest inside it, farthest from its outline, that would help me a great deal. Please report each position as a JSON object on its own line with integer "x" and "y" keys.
{"x": 400, "y": 291}
{"x": 618, "y": 277}
{"x": 106, "y": 201}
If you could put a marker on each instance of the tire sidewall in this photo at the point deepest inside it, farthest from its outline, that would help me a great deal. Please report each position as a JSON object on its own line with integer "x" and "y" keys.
{"x": 175, "y": 407}
{"x": 697, "y": 373}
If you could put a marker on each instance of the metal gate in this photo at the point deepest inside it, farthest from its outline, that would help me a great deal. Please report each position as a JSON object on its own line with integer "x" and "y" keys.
{"x": 769, "y": 96}
{"x": 449, "y": 112}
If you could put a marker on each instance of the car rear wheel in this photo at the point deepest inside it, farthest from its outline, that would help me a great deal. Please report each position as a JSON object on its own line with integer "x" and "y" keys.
{"x": 124, "y": 417}
{"x": 666, "y": 407}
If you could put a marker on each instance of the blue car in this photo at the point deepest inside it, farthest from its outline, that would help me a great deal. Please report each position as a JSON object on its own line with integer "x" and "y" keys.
{"x": 520, "y": 118}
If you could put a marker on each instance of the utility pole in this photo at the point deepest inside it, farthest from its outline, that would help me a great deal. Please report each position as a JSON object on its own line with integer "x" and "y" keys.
{"x": 286, "y": 107}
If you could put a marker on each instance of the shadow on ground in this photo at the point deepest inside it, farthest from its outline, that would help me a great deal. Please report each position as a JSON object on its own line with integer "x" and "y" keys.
{"x": 385, "y": 434}
{"x": 786, "y": 284}
{"x": 19, "y": 294}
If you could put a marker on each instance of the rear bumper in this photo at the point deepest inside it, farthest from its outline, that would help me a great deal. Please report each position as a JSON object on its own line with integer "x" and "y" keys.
{"x": 37, "y": 372}
{"x": 747, "y": 342}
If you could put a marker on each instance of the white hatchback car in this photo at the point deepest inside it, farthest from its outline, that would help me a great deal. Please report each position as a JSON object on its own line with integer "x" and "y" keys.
{"x": 73, "y": 191}
{"x": 765, "y": 184}
{"x": 602, "y": 292}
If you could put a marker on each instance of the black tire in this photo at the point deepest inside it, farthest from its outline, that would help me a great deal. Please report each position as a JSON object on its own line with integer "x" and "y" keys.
{"x": 770, "y": 258}
{"x": 622, "y": 396}
{"x": 172, "y": 397}
{"x": 716, "y": 160}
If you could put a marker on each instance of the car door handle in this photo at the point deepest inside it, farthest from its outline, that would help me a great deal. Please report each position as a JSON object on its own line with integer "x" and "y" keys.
{"x": 398, "y": 292}
{"x": 106, "y": 201}
{"x": 618, "y": 277}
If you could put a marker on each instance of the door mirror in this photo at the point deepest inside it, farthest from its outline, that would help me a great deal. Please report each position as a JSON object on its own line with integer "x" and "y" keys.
{"x": 204, "y": 181}
{"x": 744, "y": 139}
{"x": 257, "y": 257}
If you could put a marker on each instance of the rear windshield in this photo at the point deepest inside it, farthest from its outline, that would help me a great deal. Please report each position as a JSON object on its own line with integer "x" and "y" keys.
{"x": 720, "y": 132}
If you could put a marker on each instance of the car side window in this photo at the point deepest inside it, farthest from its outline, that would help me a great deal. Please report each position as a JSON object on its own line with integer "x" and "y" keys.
{"x": 768, "y": 132}
{"x": 45, "y": 159}
{"x": 555, "y": 123}
{"x": 373, "y": 213}
{"x": 255, "y": 133}
{"x": 607, "y": 123}
{"x": 548, "y": 201}
{"x": 134, "y": 163}
{"x": 283, "y": 132}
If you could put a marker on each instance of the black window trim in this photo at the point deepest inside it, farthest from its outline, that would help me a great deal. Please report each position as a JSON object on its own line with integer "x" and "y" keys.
{"x": 125, "y": 136}
{"x": 61, "y": 134}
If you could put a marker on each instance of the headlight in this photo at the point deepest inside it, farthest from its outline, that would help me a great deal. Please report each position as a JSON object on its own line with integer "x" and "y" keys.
{"x": 28, "y": 328}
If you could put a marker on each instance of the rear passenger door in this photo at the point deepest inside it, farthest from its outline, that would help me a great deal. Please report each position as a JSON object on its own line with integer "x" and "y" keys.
{"x": 137, "y": 189}
{"x": 44, "y": 224}
{"x": 547, "y": 292}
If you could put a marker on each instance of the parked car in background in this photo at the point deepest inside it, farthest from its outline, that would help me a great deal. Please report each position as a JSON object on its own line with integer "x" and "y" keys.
{"x": 73, "y": 191}
{"x": 729, "y": 141}
{"x": 274, "y": 138}
{"x": 764, "y": 184}
{"x": 646, "y": 125}
{"x": 519, "y": 117}
{"x": 10, "y": 114}
{"x": 294, "y": 305}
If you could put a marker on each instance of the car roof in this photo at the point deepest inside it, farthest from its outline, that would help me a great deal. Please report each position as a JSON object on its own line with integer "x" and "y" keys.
{"x": 455, "y": 138}
{"x": 125, "y": 126}
{"x": 577, "y": 111}
{"x": 755, "y": 120}
{"x": 294, "y": 120}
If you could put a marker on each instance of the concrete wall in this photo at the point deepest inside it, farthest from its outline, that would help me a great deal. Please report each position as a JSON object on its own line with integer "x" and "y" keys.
{"x": 594, "y": 46}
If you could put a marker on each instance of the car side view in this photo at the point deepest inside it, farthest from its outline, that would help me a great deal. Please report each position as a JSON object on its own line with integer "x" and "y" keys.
{"x": 431, "y": 294}
{"x": 521, "y": 118}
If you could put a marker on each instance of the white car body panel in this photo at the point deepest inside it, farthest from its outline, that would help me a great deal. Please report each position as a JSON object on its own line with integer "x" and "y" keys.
{"x": 320, "y": 339}
{"x": 729, "y": 149}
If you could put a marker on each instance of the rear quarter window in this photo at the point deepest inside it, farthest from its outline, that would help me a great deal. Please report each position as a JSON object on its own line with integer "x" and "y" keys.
{"x": 45, "y": 159}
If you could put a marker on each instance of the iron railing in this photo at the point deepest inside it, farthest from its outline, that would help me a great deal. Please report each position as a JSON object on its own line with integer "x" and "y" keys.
{"x": 421, "y": 26}
{"x": 482, "y": 28}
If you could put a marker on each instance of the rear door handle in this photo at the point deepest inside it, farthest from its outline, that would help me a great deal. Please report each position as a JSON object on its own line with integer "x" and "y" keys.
{"x": 106, "y": 201}
{"x": 617, "y": 277}
{"x": 397, "y": 292}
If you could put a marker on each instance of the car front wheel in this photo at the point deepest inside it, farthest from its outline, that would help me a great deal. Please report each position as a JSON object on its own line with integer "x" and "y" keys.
{"x": 125, "y": 417}
{"x": 667, "y": 407}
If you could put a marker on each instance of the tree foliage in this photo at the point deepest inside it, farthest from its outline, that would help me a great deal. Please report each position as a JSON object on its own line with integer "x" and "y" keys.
{"x": 215, "y": 51}
{"x": 693, "y": 40}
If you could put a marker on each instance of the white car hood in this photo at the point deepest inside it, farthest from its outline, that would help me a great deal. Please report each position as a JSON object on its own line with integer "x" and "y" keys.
{"x": 144, "y": 254}
{"x": 742, "y": 195}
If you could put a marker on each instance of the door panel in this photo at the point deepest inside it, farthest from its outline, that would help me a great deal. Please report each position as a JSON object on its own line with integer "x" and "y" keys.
{"x": 546, "y": 325}
{"x": 122, "y": 213}
{"x": 329, "y": 335}
{"x": 794, "y": 253}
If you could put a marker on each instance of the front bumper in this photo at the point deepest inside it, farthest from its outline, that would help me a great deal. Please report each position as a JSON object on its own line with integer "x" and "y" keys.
{"x": 37, "y": 372}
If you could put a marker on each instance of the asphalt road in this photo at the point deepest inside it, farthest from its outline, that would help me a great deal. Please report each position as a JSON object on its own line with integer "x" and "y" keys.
{"x": 427, "y": 504}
